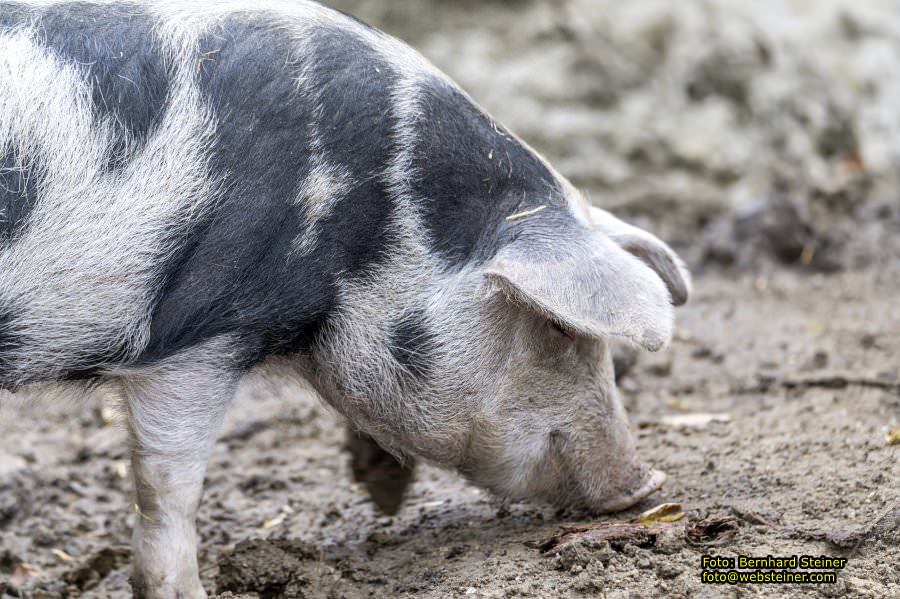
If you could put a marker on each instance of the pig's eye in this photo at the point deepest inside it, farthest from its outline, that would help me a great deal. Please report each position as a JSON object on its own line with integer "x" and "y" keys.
{"x": 558, "y": 332}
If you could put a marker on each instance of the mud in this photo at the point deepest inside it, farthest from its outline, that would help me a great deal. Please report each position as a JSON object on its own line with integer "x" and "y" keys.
{"x": 765, "y": 142}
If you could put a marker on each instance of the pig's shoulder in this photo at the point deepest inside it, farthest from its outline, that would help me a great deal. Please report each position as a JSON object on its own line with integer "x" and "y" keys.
{"x": 305, "y": 127}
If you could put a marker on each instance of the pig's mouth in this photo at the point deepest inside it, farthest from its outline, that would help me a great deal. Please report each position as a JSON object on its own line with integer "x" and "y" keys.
{"x": 650, "y": 483}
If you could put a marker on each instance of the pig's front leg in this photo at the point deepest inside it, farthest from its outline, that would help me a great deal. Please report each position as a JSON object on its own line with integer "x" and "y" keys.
{"x": 175, "y": 410}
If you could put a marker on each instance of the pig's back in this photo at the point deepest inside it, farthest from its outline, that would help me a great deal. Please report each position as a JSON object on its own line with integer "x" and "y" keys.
{"x": 174, "y": 172}
{"x": 151, "y": 178}
{"x": 307, "y": 133}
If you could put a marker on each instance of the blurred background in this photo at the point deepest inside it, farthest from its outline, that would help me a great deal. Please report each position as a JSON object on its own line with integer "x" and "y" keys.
{"x": 742, "y": 131}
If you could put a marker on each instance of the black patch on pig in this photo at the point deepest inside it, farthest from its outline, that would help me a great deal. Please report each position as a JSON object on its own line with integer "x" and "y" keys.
{"x": 14, "y": 14}
{"x": 411, "y": 344}
{"x": 356, "y": 128}
{"x": 115, "y": 48}
{"x": 238, "y": 273}
{"x": 472, "y": 174}
{"x": 18, "y": 193}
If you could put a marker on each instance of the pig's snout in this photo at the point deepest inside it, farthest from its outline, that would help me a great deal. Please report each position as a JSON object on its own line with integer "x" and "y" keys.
{"x": 646, "y": 482}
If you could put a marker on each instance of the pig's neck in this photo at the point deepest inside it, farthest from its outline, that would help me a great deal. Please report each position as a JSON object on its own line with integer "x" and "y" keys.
{"x": 399, "y": 358}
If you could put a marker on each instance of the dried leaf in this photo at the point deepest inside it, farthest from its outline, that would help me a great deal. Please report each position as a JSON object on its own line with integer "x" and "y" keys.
{"x": 892, "y": 437}
{"x": 665, "y": 512}
{"x": 678, "y": 404}
{"x": 273, "y": 522}
{"x": 22, "y": 572}
{"x": 712, "y": 532}
{"x": 62, "y": 555}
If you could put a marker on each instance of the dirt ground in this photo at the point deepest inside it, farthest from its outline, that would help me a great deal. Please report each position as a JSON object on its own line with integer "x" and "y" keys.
{"x": 765, "y": 143}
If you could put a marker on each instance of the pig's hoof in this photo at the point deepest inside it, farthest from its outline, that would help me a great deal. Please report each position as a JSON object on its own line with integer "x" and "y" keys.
{"x": 652, "y": 483}
{"x": 189, "y": 589}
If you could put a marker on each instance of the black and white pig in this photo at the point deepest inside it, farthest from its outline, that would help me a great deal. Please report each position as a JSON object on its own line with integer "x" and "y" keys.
{"x": 191, "y": 189}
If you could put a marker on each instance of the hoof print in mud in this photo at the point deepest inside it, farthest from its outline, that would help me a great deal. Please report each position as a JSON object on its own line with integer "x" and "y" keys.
{"x": 270, "y": 568}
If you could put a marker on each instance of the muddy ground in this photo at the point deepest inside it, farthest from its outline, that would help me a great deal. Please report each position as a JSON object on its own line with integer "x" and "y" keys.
{"x": 765, "y": 143}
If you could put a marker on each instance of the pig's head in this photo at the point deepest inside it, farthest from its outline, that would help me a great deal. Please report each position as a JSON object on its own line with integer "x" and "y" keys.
{"x": 556, "y": 428}
{"x": 503, "y": 370}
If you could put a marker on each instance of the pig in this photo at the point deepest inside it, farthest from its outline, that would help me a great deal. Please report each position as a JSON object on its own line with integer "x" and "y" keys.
{"x": 192, "y": 191}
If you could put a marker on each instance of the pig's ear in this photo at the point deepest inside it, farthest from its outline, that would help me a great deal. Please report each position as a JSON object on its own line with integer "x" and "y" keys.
{"x": 650, "y": 249}
{"x": 589, "y": 285}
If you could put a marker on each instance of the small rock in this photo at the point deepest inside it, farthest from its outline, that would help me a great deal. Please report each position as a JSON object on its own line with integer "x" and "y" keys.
{"x": 455, "y": 551}
{"x": 669, "y": 542}
{"x": 668, "y": 569}
{"x": 571, "y": 555}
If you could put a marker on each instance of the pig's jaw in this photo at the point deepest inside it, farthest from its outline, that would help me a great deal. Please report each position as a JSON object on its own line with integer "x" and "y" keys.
{"x": 621, "y": 482}
{"x": 615, "y": 479}
{"x": 647, "y": 482}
